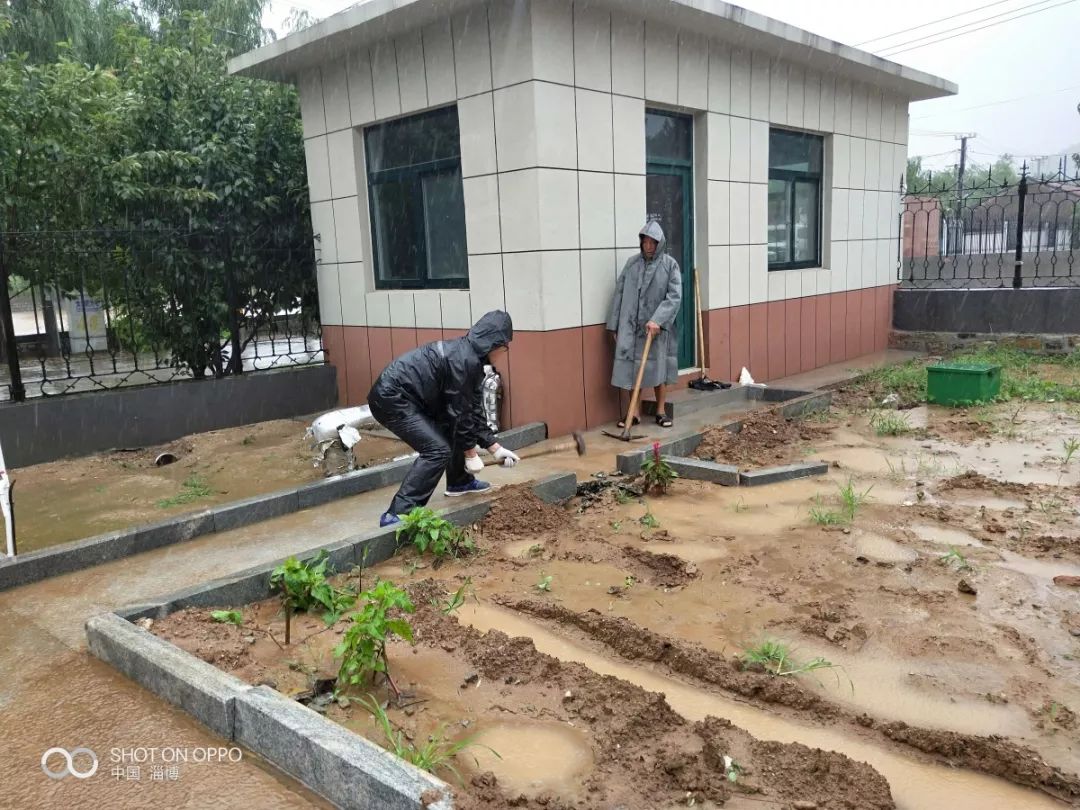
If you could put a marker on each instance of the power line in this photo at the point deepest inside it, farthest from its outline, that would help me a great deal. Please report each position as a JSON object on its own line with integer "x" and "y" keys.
{"x": 973, "y": 30}
{"x": 932, "y": 22}
{"x": 1000, "y": 101}
{"x": 955, "y": 28}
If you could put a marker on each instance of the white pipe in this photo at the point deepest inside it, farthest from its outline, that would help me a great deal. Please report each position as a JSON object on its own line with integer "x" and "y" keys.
{"x": 5, "y": 505}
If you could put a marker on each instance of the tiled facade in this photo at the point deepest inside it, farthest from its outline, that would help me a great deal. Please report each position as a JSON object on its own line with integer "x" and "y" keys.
{"x": 551, "y": 99}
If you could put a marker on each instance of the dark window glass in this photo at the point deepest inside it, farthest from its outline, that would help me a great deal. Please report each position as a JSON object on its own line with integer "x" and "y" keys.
{"x": 669, "y": 137}
{"x": 795, "y": 169}
{"x": 417, "y": 202}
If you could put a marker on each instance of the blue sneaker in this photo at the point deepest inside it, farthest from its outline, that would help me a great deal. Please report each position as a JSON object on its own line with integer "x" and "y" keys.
{"x": 476, "y": 485}
{"x": 388, "y": 519}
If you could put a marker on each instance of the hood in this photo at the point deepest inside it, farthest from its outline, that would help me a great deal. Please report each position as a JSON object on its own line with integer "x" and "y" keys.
{"x": 493, "y": 330}
{"x": 653, "y": 230}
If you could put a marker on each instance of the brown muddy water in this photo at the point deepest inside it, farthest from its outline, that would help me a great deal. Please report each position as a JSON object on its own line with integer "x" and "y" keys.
{"x": 878, "y": 598}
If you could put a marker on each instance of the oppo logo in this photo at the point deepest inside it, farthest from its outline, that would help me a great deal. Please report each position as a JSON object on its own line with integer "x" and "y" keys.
{"x": 68, "y": 759}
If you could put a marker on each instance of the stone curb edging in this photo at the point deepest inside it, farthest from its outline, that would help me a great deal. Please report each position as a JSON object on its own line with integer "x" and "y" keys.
{"x": 790, "y": 403}
{"x": 80, "y": 554}
{"x": 697, "y": 469}
{"x": 343, "y": 767}
{"x": 785, "y": 472}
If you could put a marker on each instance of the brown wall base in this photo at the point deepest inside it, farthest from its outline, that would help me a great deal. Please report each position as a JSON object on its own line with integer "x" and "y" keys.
{"x": 563, "y": 377}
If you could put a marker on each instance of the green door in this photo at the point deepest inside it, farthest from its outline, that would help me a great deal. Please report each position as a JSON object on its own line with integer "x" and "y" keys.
{"x": 669, "y": 196}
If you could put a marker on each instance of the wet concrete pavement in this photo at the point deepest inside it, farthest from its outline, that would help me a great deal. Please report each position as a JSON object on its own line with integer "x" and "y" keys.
{"x": 53, "y": 693}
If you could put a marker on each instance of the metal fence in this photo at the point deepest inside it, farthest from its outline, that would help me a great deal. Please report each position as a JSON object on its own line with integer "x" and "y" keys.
{"x": 98, "y": 309}
{"x": 1016, "y": 232}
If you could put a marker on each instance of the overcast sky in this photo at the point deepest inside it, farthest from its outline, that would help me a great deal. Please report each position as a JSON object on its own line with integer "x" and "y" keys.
{"x": 1019, "y": 80}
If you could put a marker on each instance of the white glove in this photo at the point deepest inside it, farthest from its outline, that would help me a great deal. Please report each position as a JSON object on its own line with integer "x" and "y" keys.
{"x": 474, "y": 464}
{"x": 508, "y": 458}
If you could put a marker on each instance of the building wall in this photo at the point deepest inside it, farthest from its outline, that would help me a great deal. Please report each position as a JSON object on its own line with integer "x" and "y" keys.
{"x": 552, "y": 97}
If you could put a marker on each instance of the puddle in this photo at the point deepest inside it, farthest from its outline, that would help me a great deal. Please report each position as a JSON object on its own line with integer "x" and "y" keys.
{"x": 915, "y": 786}
{"x": 944, "y": 536}
{"x": 865, "y": 460}
{"x": 1038, "y": 569}
{"x": 534, "y": 758}
{"x": 991, "y": 502}
{"x": 881, "y": 548}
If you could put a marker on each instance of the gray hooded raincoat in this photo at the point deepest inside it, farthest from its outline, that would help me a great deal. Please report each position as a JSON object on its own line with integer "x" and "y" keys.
{"x": 646, "y": 291}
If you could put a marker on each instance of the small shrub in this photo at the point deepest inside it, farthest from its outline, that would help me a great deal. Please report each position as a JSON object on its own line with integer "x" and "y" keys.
{"x": 955, "y": 560}
{"x": 457, "y": 598}
{"x": 303, "y": 586}
{"x": 649, "y": 521}
{"x": 228, "y": 617}
{"x": 657, "y": 473}
{"x": 437, "y": 752}
{"x": 1070, "y": 446}
{"x": 429, "y": 532}
{"x": 775, "y": 657}
{"x": 363, "y": 647}
{"x": 545, "y": 582}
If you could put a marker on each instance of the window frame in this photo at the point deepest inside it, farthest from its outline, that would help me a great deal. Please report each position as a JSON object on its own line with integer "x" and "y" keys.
{"x": 792, "y": 178}
{"x": 415, "y": 174}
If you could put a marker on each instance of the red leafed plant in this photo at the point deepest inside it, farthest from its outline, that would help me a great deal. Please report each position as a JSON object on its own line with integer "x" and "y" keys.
{"x": 656, "y": 472}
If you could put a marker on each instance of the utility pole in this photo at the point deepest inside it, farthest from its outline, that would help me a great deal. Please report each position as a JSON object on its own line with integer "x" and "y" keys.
{"x": 956, "y": 232}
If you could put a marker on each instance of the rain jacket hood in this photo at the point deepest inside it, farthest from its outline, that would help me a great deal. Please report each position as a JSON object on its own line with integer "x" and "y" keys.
{"x": 653, "y": 230}
{"x": 493, "y": 330}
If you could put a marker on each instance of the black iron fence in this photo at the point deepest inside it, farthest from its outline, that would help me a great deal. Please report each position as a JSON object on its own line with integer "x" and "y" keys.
{"x": 97, "y": 309}
{"x": 1016, "y": 231}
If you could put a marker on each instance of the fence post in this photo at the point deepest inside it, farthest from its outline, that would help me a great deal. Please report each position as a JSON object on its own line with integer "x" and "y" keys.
{"x": 7, "y": 326}
{"x": 1019, "y": 261}
{"x": 235, "y": 363}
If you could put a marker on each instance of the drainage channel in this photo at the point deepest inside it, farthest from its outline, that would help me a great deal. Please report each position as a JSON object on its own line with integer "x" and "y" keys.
{"x": 915, "y": 785}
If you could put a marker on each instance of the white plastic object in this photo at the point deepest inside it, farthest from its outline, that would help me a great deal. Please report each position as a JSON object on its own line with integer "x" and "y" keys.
{"x": 5, "y": 506}
{"x": 746, "y": 379}
{"x": 327, "y": 427}
{"x": 349, "y": 436}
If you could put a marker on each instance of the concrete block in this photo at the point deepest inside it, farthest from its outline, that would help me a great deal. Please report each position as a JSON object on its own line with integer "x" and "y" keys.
{"x": 629, "y": 463}
{"x": 698, "y": 469}
{"x": 339, "y": 765}
{"x": 556, "y": 488}
{"x": 788, "y": 472}
{"x": 141, "y": 610}
{"x": 522, "y": 436}
{"x": 811, "y": 403}
{"x": 352, "y": 483}
{"x": 252, "y": 510}
{"x": 203, "y": 691}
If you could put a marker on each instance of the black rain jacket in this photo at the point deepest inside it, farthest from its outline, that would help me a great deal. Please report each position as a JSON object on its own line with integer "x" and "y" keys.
{"x": 444, "y": 379}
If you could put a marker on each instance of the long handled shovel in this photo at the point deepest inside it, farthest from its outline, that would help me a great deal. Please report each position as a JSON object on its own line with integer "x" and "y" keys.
{"x": 702, "y": 383}
{"x": 625, "y": 435}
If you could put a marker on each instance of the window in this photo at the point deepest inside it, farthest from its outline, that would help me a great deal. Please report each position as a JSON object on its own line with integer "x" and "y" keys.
{"x": 417, "y": 203}
{"x": 794, "y": 199}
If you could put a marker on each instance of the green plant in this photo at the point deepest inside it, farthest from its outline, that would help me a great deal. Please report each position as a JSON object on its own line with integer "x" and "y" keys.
{"x": 622, "y": 497}
{"x": 193, "y": 488}
{"x": 954, "y": 559}
{"x": 657, "y": 473}
{"x": 775, "y": 657}
{"x": 303, "y": 586}
{"x": 228, "y": 616}
{"x": 732, "y": 769}
{"x": 429, "y": 532}
{"x": 437, "y": 752}
{"x": 535, "y": 550}
{"x": 616, "y": 525}
{"x": 545, "y": 582}
{"x": 1070, "y": 447}
{"x": 825, "y": 517}
{"x": 363, "y": 647}
{"x": 629, "y": 581}
{"x": 457, "y": 598}
{"x": 889, "y": 423}
{"x": 852, "y": 500}
{"x": 649, "y": 521}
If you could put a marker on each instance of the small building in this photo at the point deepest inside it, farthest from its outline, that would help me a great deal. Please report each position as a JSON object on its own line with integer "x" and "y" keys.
{"x": 466, "y": 155}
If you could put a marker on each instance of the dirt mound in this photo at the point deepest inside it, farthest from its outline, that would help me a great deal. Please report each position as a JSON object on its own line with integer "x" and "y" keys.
{"x": 518, "y": 512}
{"x": 978, "y": 481}
{"x": 764, "y": 440}
{"x": 661, "y": 570}
{"x": 645, "y": 755}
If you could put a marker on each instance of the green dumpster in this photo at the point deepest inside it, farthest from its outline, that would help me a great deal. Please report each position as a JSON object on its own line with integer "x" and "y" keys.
{"x": 962, "y": 383}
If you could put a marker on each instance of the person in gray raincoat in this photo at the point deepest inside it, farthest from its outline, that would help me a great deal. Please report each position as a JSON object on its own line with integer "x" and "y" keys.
{"x": 647, "y": 298}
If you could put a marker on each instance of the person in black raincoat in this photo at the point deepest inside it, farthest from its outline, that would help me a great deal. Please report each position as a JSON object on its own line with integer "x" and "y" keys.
{"x": 431, "y": 399}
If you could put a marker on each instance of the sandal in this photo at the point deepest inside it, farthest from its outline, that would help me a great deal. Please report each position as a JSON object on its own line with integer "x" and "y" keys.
{"x": 663, "y": 420}
{"x": 622, "y": 423}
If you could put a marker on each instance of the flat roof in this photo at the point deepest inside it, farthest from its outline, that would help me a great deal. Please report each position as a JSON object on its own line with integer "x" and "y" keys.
{"x": 373, "y": 20}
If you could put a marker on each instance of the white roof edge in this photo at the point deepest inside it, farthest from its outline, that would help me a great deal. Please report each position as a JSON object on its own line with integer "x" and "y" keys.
{"x": 330, "y": 38}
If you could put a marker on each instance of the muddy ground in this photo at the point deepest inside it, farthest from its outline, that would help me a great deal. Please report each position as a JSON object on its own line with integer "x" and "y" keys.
{"x": 949, "y": 671}
{"x": 82, "y": 497}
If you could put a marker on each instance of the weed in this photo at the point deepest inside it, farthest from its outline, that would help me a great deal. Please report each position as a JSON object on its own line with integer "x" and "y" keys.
{"x": 629, "y": 581}
{"x": 657, "y": 473}
{"x": 954, "y": 559}
{"x": 1051, "y": 507}
{"x": 775, "y": 657}
{"x": 889, "y": 423}
{"x": 732, "y": 769}
{"x": 535, "y": 550}
{"x": 248, "y": 440}
{"x": 906, "y": 380}
{"x": 820, "y": 416}
{"x": 616, "y": 525}
{"x": 429, "y": 532}
{"x": 740, "y": 506}
{"x": 228, "y": 617}
{"x": 303, "y": 586}
{"x": 825, "y": 517}
{"x": 649, "y": 521}
{"x": 1070, "y": 446}
{"x": 437, "y": 752}
{"x": 193, "y": 488}
{"x": 852, "y": 500}
{"x": 545, "y": 583}
{"x": 457, "y": 598}
{"x": 622, "y": 497}
{"x": 363, "y": 647}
